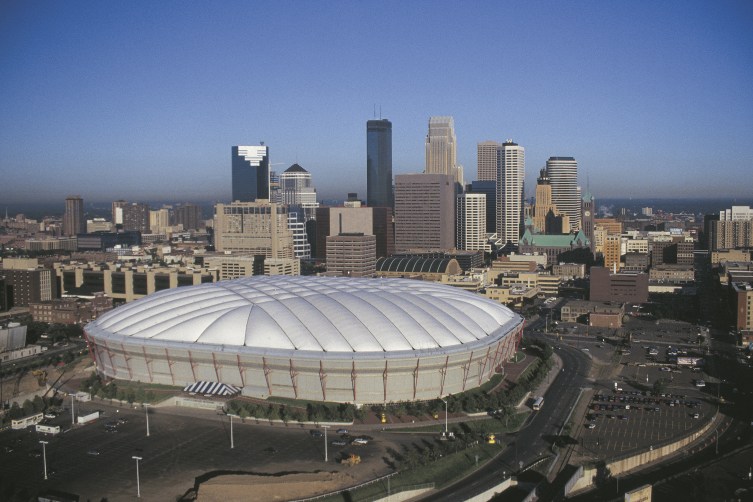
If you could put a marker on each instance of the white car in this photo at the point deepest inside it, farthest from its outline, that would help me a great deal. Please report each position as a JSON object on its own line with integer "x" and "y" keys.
{"x": 360, "y": 441}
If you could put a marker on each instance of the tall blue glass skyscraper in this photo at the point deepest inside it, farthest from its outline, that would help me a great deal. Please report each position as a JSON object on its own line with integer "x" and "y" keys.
{"x": 379, "y": 163}
{"x": 250, "y": 173}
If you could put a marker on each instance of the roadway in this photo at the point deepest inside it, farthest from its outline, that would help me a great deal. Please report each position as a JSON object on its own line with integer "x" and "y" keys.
{"x": 532, "y": 441}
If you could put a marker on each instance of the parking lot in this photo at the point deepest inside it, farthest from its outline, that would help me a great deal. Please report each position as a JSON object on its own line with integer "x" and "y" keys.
{"x": 623, "y": 411}
{"x": 184, "y": 444}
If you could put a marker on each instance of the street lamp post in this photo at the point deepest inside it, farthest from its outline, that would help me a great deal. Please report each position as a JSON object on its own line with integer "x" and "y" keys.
{"x": 138, "y": 481}
{"x": 44, "y": 457}
{"x": 73, "y": 419}
{"x": 232, "y": 443}
{"x": 146, "y": 411}
{"x": 325, "y": 427}
{"x": 445, "y": 415}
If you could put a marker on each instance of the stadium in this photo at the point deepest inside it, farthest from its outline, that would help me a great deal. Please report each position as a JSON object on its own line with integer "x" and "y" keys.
{"x": 314, "y": 338}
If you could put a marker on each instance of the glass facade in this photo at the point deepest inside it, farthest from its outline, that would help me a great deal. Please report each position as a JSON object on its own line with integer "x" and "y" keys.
{"x": 250, "y": 173}
{"x": 379, "y": 163}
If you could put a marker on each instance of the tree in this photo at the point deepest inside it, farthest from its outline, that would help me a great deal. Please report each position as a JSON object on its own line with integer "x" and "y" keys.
{"x": 28, "y": 408}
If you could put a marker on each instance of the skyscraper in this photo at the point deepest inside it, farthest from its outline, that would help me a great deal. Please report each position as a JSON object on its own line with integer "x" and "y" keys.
{"x": 73, "y": 218}
{"x": 563, "y": 176}
{"x": 558, "y": 223}
{"x": 297, "y": 190}
{"x": 188, "y": 215}
{"x": 471, "y": 222}
{"x": 253, "y": 228}
{"x": 250, "y": 173}
{"x": 588, "y": 207}
{"x": 424, "y": 212}
{"x": 487, "y": 160}
{"x": 510, "y": 179}
{"x": 441, "y": 148}
{"x": 379, "y": 163}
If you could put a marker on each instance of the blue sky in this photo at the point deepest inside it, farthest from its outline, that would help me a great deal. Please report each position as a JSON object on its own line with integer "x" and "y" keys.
{"x": 143, "y": 100}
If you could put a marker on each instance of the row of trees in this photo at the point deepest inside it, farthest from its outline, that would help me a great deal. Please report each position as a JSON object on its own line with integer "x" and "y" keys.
{"x": 110, "y": 390}
{"x": 314, "y": 412}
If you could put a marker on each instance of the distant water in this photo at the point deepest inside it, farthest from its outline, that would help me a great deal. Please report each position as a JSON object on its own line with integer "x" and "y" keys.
{"x": 38, "y": 210}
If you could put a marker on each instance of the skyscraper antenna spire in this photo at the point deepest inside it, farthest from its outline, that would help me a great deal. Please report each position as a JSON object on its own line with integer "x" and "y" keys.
{"x": 374, "y": 110}
{"x": 380, "y": 112}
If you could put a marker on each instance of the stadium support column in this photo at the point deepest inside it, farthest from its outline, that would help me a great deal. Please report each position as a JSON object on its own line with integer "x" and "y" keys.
{"x": 148, "y": 364}
{"x": 92, "y": 353}
{"x": 466, "y": 370}
{"x": 482, "y": 366}
{"x": 323, "y": 380}
{"x": 353, "y": 376}
{"x": 443, "y": 372}
{"x": 415, "y": 378}
{"x": 294, "y": 378}
{"x": 112, "y": 364}
{"x": 193, "y": 366}
{"x": 170, "y": 366}
{"x": 241, "y": 370}
{"x": 385, "y": 374}
{"x": 267, "y": 371}
{"x": 497, "y": 358}
{"x": 216, "y": 368}
{"x": 126, "y": 358}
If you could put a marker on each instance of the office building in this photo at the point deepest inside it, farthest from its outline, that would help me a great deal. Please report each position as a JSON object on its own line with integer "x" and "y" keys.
{"x": 250, "y": 173}
{"x": 424, "y": 212}
{"x": 351, "y": 255}
{"x": 547, "y": 218}
{"x": 612, "y": 250}
{"x": 441, "y": 148}
{"x": 553, "y": 246}
{"x": 296, "y": 189}
{"x": 510, "y": 180}
{"x": 255, "y": 228}
{"x": 74, "y": 222}
{"x": 742, "y": 302}
{"x": 487, "y": 160}
{"x": 488, "y": 188}
{"x": 607, "y": 286}
{"x": 470, "y": 215}
{"x": 376, "y": 221}
{"x": 27, "y": 282}
{"x": 379, "y": 163}
{"x": 301, "y": 245}
{"x": 563, "y": 176}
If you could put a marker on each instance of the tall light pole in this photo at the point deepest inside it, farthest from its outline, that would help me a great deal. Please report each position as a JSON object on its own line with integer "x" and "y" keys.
{"x": 232, "y": 443}
{"x": 44, "y": 457}
{"x": 138, "y": 481}
{"x": 146, "y": 410}
{"x": 325, "y": 427}
{"x": 73, "y": 419}
{"x": 445, "y": 415}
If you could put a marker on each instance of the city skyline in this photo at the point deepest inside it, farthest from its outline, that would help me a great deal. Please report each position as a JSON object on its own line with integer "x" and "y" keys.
{"x": 627, "y": 96}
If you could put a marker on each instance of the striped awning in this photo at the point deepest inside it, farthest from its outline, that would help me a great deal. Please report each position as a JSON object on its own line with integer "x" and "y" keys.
{"x": 212, "y": 388}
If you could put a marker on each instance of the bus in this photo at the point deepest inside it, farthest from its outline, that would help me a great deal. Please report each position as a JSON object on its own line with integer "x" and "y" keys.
{"x": 538, "y": 402}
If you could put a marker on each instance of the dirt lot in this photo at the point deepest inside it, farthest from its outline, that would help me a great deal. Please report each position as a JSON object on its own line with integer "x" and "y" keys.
{"x": 254, "y": 488}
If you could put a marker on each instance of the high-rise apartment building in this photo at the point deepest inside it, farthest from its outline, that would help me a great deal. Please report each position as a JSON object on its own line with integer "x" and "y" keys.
{"x": 470, "y": 215}
{"x": 510, "y": 184}
{"x": 188, "y": 215}
{"x": 250, "y": 165}
{"x": 301, "y": 245}
{"x": 74, "y": 222}
{"x": 487, "y": 160}
{"x": 159, "y": 220}
{"x": 135, "y": 216}
{"x": 424, "y": 212}
{"x": 441, "y": 148}
{"x": 117, "y": 212}
{"x": 254, "y": 228}
{"x": 379, "y": 163}
{"x": 563, "y": 176}
{"x": 296, "y": 189}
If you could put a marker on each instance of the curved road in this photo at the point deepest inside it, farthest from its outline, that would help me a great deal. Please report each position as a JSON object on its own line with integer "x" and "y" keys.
{"x": 528, "y": 444}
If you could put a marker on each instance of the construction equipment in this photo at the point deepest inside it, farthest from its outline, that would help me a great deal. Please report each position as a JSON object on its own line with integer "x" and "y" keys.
{"x": 351, "y": 460}
{"x": 41, "y": 376}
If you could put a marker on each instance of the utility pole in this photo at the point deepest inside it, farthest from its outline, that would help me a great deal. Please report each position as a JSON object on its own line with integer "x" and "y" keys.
{"x": 138, "y": 481}
{"x": 44, "y": 457}
{"x": 325, "y": 427}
